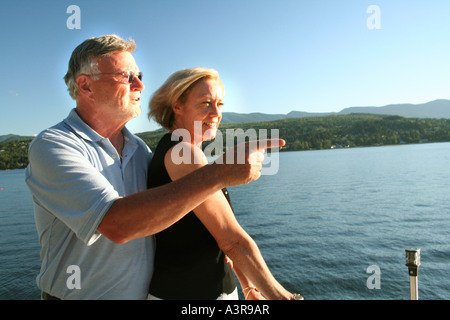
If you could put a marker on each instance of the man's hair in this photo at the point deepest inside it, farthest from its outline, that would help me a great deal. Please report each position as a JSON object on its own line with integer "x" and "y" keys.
{"x": 176, "y": 88}
{"x": 81, "y": 61}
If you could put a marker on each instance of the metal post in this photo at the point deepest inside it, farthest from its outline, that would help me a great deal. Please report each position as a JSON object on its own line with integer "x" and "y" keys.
{"x": 413, "y": 263}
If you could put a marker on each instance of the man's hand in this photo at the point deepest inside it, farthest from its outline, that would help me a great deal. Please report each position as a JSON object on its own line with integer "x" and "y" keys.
{"x": 243, "y": 163}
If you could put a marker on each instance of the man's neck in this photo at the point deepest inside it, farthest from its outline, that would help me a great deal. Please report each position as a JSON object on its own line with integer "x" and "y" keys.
{"x": 106, "y": 128}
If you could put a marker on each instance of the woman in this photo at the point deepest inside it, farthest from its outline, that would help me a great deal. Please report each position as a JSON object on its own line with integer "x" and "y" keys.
{"x": 191, "y": 255}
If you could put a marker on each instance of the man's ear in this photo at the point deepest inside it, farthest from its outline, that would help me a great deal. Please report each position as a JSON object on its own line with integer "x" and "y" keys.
{"x": 84, "y": 84}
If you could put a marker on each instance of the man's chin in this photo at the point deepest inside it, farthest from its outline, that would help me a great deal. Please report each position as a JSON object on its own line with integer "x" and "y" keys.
{"x": 136, "y": 111}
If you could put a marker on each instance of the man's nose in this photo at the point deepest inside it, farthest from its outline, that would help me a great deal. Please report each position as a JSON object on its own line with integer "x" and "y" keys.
{"x": 137, "y": 84}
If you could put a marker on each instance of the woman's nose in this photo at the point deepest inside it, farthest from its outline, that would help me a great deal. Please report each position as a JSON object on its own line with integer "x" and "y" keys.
{"x": 216, "y": 109}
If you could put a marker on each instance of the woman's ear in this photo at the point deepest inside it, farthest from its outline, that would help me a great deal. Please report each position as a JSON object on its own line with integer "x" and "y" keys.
{"x": 177, "y": 108}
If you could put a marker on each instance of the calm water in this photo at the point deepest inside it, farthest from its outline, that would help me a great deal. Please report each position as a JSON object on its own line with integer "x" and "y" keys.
{"x": 19, "y": 246}
{"x": 329, "y": 215}
{"x": 320, "y": 222}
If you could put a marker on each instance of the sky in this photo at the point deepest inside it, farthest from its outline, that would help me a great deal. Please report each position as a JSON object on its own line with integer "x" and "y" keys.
{"x": 273, "y": 56}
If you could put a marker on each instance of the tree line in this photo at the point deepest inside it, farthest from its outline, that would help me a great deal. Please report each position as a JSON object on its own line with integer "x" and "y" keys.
{"x": 358, "y": 130}
{"x": 311, "y": 133}
{"x": 14, "y": 154}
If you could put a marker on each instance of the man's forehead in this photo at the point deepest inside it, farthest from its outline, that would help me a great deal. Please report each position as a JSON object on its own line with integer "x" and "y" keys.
{"x": 119, "y": 61}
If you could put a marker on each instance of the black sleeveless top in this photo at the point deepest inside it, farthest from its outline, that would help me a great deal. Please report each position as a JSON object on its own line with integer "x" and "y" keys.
{"x": 188, "y": 262}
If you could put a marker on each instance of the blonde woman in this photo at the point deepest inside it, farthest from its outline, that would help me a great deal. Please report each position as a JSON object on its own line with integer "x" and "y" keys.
{"x": 191, "y": 255}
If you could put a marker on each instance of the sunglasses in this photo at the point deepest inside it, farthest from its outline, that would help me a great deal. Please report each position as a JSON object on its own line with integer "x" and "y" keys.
{"x": 130, "y": 75}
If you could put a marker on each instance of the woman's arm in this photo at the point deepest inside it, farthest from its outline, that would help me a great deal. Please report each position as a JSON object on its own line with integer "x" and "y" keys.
{"x": 218, "y": 217}
{"x": 147, "y": 212}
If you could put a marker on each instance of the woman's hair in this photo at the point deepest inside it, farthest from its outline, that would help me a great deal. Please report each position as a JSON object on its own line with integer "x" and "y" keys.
{"x": 81, "y": 61}
{"x": 176, "y": 88}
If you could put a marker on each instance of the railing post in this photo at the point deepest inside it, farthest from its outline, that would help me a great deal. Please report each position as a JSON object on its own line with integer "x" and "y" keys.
{"x": 413, "y": 263}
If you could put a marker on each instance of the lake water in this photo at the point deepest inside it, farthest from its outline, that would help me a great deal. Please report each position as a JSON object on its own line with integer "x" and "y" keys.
{"x": 320, "y": 222}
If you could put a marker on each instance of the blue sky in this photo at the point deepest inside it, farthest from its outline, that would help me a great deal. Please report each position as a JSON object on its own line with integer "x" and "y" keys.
{"x": 274, "y": 56}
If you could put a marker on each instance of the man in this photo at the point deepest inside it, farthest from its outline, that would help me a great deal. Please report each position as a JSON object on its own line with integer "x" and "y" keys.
{"x": 88, "y": 178}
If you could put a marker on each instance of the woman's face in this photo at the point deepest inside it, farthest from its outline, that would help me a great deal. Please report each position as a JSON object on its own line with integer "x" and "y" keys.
{"x": 201, "y": 112}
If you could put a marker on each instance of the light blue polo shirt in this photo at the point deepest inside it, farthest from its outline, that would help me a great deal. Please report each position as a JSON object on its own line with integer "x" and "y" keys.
{"x": 74, "y": 176}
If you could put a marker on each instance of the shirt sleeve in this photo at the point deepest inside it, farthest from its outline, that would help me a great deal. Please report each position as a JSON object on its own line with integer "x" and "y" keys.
{"x": 65, "y": 183}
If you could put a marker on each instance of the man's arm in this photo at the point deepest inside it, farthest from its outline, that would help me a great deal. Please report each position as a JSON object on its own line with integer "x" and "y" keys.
{"x": 153, "y": 210}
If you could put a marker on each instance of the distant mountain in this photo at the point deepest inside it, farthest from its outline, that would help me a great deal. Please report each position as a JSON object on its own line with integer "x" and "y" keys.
{"x": 12, "y": 137}
{"x": 233, "y": 117}
{"x": 302, "y": 114}
{"x": 438, "y": 109}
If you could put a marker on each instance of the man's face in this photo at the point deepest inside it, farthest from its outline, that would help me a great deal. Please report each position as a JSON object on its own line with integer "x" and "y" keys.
{"x": 115, "y": 97}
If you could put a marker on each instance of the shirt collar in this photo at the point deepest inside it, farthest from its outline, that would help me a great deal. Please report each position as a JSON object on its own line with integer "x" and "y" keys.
{"x": 82, "y": 129}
